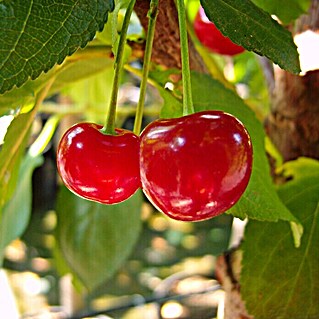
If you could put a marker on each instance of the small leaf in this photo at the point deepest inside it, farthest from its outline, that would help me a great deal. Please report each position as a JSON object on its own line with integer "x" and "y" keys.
{"x": 277, "y": 279}
{"x": 96, "y": 239}
{"x": 35, "y": 36}
{"x": 11, "y": 153}
{"x": 254, "y": 29}
{"x": 300, "y": 168}
{"x": 16, "y": 212}
{"x": 280, "y": 8}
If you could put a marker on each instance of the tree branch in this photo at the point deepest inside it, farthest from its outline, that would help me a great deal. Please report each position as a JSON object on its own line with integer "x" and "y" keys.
{"x": 166, "y": 48}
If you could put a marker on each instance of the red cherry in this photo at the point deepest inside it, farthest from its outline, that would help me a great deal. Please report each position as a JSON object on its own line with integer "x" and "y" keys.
{"x": 212, "y": 38}
{"x": 100, "y": 167}
{"x": 197, "y": 166}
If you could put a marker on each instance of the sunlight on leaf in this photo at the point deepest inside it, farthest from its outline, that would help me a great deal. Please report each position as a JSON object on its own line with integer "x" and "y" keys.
{"x": 11, "y": 153}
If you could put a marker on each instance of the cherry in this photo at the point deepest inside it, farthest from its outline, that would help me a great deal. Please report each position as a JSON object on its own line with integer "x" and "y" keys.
{"x": 197, "y": 166}
{"x": 97, "y": 166}
{"x": 212, "y": 38}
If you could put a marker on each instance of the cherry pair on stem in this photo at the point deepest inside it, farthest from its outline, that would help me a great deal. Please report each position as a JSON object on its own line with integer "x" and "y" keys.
{"x": 191, "y": 168}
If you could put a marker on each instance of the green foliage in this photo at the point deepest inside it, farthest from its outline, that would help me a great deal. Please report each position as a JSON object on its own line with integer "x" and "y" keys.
{"x": 16, "y": 212}
{"x": 285, "y": 10}
{"x": 18, "y": 98}
{"x": 96, "y": 239}
{"x": 59, "y": 29}
{"x": 277, "y": 279}
{"x": 11, "y": 154}
{"x": 254, "y": 29}
{"x": 80, "y": 66}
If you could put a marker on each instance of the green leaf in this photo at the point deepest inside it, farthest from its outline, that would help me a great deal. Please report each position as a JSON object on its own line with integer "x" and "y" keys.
{"x": 277, "y": 279}
{"x": 254, "y": 29}
{"x": 16, "y": 212}
{"x": 81, "y": 69}
{"x": 300, "y": 168}
{"x": 96, "y": 239}
{"x": 17, "y": 98}
{"x": 11, "y": 153}
{"x": 260, "y": 200}
{"x": 35, "y": 36}
{"x": 82, "y": 65}
{"x": 285, "y": 10}
{"x": 63, "y": 268}
{"x": 110, "y": 33}
{"x": 92, "y": 94}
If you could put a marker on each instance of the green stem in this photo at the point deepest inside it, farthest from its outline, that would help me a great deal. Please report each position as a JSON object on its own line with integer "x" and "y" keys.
{"x": 152, "y": 15}
{"x": 109, "y": 127}
{"x": 188, "y": 107}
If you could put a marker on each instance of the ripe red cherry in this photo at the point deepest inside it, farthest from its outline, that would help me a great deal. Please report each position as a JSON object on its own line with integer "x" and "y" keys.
{"x": 99, "y": 167}
{"x": 197, "y": 166}
{"x": 212, "y": 38}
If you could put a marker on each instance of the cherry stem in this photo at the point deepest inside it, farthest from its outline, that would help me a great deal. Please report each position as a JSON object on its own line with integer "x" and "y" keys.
{"x": 188, "y": 107}
{"x": 109, "y": 127}
{"x": 152, "y": 15}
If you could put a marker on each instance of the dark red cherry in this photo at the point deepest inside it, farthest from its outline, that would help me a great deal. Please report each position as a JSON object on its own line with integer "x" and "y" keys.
{"x": 197, "y": 166}
{"x": 99, "y": 167}
{"x": 212, "y": 38}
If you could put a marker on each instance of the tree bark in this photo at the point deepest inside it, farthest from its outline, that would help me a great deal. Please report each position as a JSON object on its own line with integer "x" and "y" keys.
{"x": 166, "y": 46}
{"x": 293, "y": 123}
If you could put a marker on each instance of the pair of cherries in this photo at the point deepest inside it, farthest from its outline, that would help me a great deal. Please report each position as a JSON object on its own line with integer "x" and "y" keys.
{"x": 191, "y": 168}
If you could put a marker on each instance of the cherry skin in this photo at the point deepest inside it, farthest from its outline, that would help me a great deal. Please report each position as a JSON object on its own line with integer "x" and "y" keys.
{"x": 99, "y": 167}
{"x": 212, "y": 38}
{"x": 195, "y": 167}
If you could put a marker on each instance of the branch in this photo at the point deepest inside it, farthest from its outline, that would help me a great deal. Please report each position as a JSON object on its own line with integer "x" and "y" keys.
{"x": 166, "y": 48}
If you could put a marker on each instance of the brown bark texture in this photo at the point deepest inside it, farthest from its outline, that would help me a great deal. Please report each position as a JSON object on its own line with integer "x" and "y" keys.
{"x": 293, "y": 124}
{"x": 166, "y": 46}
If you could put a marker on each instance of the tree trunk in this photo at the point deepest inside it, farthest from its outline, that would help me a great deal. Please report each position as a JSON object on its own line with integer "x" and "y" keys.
{"x": 293, "y": 124}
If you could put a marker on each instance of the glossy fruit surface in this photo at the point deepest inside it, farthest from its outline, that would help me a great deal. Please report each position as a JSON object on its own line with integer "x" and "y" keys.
{"x": 197, "y": 166}
{"x": 212, "y": 38}
{"x": 99, "y": 167}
